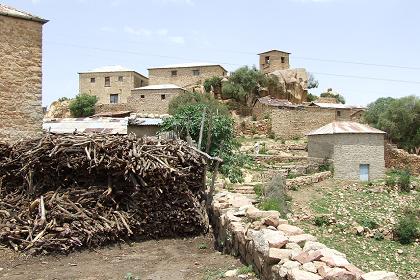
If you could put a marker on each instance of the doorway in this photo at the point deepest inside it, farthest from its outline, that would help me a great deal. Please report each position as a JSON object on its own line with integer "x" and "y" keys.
{"x": 364, "y": 172}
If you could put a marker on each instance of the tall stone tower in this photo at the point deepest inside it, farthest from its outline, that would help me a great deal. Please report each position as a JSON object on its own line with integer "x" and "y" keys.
{"x": 273, "y": 60}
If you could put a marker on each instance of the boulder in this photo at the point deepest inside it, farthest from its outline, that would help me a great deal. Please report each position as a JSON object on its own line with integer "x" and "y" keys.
{"x": 379, "y": 275}
{"x": 271, "y": 221}
{"x": 310, "y": 267}
{"x": 289, "y": 265}
{"x": 297, "y": 274}
{"x": 301, "y": 239}
{"x": 275, "y": 239}
{"x": 339, "y": 274}
{"x": 289, "y": 229}
{"x": 275, "y": 255}
{"x": 253, "y": 214}
{"x": 335, "y": 261}
{"x": 312, "y": 245}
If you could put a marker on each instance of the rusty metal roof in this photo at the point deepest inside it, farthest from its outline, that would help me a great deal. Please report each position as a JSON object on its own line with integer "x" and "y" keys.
{"x": 342, "y": 127}
{"x": 12, "y": 12}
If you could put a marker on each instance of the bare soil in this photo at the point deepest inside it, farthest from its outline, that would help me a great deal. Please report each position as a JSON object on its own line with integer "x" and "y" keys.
{"x": 156, "y": 259}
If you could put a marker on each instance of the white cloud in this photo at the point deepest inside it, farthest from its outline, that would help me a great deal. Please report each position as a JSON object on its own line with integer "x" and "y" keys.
{"x": 177, "y": 40}
{"x": 162, "y": 32}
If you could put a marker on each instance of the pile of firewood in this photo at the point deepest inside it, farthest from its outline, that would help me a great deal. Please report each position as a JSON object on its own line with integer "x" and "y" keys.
{"x": 59, "y": 193}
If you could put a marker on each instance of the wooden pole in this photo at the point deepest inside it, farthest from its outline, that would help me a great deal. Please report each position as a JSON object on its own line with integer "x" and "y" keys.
{"x": 200, "y": 139}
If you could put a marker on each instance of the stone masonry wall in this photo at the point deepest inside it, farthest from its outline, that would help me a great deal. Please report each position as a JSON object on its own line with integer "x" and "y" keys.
{"x": 184, "y": 77}
{"x": 275, "y": 249}
{"x": 400, "y": 159}
{"x": 20, "y": 78}
{"x": 351, "y": 150}
{"x": 152, "y": 101}
{"x": 130, "y": 80}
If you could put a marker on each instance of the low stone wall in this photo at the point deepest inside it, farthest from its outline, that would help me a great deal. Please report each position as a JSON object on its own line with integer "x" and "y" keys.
{"x": 400, "y": 159}
{"x": 275, "y": 249}
{"x": 308, "y": 180}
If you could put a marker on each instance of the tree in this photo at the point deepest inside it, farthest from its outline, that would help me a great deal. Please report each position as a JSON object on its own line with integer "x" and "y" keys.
{"x": 338, "y": 97}
{"x": 312, "y": 83}
{"x": 400, "y": 118}
{"x": 83, "y": 105}
{"x": 213, "y": 84}
{"x": 311, "y": 97}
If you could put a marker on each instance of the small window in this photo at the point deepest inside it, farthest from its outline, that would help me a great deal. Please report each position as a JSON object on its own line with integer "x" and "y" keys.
{"x": 267, "y": 60}
{"x": 120, "y": 78}
{"x": 92, "y": 80}
{"x": 338, "y": 113}
{"x": 113, "y": 98}
{"x": 162, "y": 97}
{"x": 283, "y": 59}
{"x": 107, "y": 82}
{"x": 174, "y": 73}
{"x": 196, "y": 72}
{"x": 141, "y": 83}
{"x": 142, "y": 96}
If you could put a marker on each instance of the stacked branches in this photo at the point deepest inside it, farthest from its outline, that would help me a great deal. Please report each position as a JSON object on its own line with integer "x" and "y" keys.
{"x": 59, "y": 193}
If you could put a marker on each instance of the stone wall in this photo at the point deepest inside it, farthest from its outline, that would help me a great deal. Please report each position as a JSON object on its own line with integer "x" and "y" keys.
{"x": 184, "y": 77}
{"x": 154, "y": 101}
{"x": 275, "y": 61}
{"x": 130, "y": 80}
{"x": 104, "y": 108}
{"x": 276, "y": 249}
{"x": 400, "y": 159}
{"x": 351, "y": 150}
{"x": 20, "y": 78}
{"x": 308, "y": 179}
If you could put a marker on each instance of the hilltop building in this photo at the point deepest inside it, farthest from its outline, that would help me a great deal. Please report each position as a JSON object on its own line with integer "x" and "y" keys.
{"x": 356, "y": 150}
{"x": 186, "y": 75}
{"x": 20, "y": 74}
{"x": 273, "y": 60}
{"x": 111, "y": 84}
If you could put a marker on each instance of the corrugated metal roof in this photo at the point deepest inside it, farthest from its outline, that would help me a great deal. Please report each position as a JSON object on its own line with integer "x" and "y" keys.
{"x": 267, "y": 100}
{"x": 345, "y": 127}
{"x": 335, "y": 105}
{"x": 145, "y": 121}
{"x": 12, "y": 12}
{"x": 187, "y": 65}
{"x": 162, "y": 86}
{"x": 87, "y": 125}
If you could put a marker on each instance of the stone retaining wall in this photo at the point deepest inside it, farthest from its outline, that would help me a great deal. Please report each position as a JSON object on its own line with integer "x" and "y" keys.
{"x": 275, "y": 249}
{"x": 308, "y": 180}
{"x": 400, "y": 159}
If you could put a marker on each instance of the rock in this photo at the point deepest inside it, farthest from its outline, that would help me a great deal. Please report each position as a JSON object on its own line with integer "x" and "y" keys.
{"x": 335, "y": 260}
{"x": 255, "y": 214}
{"x": 275, "y": 255}
{"x": 289, "y": 229}
{"x": 260, "y": 244}
{"x": 290, "y": 265}
{"x": 355, "y": 270}
{"x": 231, "y": 273}
{"x": 379, "y": 275}
{"x": 399, "y": 251}
{"x": 310, "y": 267}
{"x": 275, "y": 239}
{"x": 305, "y": 257}
{"x": 312, "y": 245}
{"x": 339, "y": 274}
{"x": 326, "y": 252}
{"x": 283, "y": 221}
{"x": 271, "y": 221}
{"x": 240, "y": 201}
{"x": 359, "y": 230}
{"x": 292, "y": 245}
{"x": 301, "y": 239}
{"x": 297, "y": 274}
{"x": 323, "y": 270}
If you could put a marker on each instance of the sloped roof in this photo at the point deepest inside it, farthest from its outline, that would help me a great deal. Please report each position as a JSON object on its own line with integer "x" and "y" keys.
{"x": 187, "y": 65}
{"x": 109, "y": 68}
{"x": 162, "y": 86}
{"x": 87, "y": 125}
{"x": 273, "y": 51}
{"x": 335, "y": 105}
{"x": 342, "y": 127}
{"x": 12, "y": 12}
{"x": 145, "y": 121}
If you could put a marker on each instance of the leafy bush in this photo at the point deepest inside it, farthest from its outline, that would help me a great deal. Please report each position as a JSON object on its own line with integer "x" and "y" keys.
{"x": 245, "y": 269}
{"x": 214, "y": 83}
{"x": 271, "y": 135}
{"x": 378, "y": 235}
{"x": 259, "y": 190}
{"x": 61, "y": 99}
{"x": 404, "y": 181}
{"x": 368, "y": 222}
{"x": 292, "y": 175}
{"x": 321, "y": 221}
{"x": 83, "y": 105}
{"x": 407, "y": 229}
{"x": 390, "y": 181}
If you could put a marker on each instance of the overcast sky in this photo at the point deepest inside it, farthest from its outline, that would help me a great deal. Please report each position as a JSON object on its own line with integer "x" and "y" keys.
{"x": 363, "y": 49}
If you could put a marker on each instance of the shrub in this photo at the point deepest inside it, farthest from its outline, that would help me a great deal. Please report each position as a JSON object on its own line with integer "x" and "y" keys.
{"x": 378, "y": 235}
{"x": 321, "y": 221}
{"x": 259, "y": 190}
{"x": 404, "y": 181}
{"x": 407, "y": 229}
{"x": 368, "y": 222}
{"x": 271, "y": 135}
{"x": 292, "y": 175}
{"x": 276, "y": 196}
{"x": 245, "y": 269}
{"x": 390, "y": 181}
{"x": 83, "y": 105}
{"x": 202, "y": 246}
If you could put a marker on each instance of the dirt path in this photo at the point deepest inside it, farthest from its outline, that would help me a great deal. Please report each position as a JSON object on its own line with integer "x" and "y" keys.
{"x": 165, "y": 259}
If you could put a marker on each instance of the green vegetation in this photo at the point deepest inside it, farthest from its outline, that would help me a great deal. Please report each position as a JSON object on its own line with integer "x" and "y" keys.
{"x": 321, "y": 220}
{"x": 400, "y": 118}
{"x": 130, "y": 276}
{"x": 259, "y": 190}
{"x": 83, "y": 105}
{"x": 367, "y": 222}
{"x": 61, "y": 99}
{"x": 407, "y": 228}
{"x": 401, "y": 178}
{"x": 276, "y": 197}
{"x": 245, "y": 269}
{"x": 311, "y": 97}
{"x": 338, "y": 97}
{"x": 202, "y": 246}
{"x": 214, "y": 274}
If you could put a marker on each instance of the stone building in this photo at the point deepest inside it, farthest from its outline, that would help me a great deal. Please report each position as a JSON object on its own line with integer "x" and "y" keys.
{"x": 290, "y": 121}
{"x": 153, "y": 99}
{"x": 356, "y": 150}
{"x": 111, "y": 84}
{"x": 273, "y": 60}
{"x": 20, "y": 74}
{"x": 186, "y": 75}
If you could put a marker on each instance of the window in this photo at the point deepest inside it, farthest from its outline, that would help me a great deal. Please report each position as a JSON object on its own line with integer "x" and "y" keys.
{"x": 141, "y": 83}
{"x": 196, "y": 72}
{"x": 92, "y": 80}
{"x": 162, "y": 96}
{"x": 283, "y": 59}
{"x": 267, "y": 60}
{"x": 107, "y": 82}
{"x": 142, "y": 96}
{"x": 174, "y": 73}
{"x": 120, "y": 78}
{"x": 338, "y": 113}
{"x": 113, "y": 98}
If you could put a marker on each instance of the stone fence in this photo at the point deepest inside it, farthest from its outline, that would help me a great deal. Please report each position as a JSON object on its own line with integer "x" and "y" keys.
{"x": 276, "y": 249}
{"x": 307, "y": 180}
{"x": 400, "y": 159}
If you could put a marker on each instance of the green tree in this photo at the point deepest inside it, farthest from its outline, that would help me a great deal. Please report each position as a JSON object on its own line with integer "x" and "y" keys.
{"x": 214, "y": 83}
{"x": 312, "y": 83}
{"x": 83, "y": 105}
{"x": 311, "y": 97}
{"x": 400, "y": 118}
{"x": 338, "y": 97}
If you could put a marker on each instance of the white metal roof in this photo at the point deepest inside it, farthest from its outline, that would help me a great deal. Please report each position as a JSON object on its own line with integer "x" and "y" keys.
{"x": 162, "y": 86}
{"x": 12, "y": 12}
{"x": 334, "y": 105}
{"x": 345, "y": 127}
{"x": 87, "y": 125}
{"x": 187, "y": 65}
{"x": 110, "y": 68}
